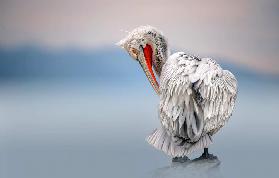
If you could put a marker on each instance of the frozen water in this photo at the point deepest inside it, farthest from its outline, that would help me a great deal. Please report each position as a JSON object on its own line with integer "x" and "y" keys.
{"x": 193, "y": 169}
{"x": 80, "y": 130}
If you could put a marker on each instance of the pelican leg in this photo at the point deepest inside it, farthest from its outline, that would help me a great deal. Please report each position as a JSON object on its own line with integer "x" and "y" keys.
{"x": 206, "y": 155}
{"x": 180, "y": 159}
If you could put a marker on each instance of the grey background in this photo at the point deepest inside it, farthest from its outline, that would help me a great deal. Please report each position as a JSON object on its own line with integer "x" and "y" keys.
{"x": 74, "y": 105}
{"x": 74, "y": 123}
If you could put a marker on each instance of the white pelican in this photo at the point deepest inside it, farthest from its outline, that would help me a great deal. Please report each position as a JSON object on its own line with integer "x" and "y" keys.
{"x": 197, "y": 96}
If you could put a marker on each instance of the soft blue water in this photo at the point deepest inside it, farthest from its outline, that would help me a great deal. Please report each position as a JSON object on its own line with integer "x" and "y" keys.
{"x": 57, "y": 130}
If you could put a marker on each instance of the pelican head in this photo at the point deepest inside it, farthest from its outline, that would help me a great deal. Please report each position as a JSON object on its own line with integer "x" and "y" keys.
{"x": 148, "y": 46}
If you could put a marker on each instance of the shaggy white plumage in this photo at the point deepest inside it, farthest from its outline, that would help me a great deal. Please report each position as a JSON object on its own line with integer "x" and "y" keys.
{"x": 197, "y": 96}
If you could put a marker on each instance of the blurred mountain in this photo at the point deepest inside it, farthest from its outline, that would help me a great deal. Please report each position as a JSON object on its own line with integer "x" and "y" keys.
{"x": 108, "y": 64}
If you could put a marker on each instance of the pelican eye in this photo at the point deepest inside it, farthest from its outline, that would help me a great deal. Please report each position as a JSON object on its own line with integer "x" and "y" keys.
{"x": 134, "y": 52}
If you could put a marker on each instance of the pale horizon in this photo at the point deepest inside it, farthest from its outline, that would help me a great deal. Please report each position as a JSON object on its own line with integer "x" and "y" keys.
{"x": 246, "y": 33}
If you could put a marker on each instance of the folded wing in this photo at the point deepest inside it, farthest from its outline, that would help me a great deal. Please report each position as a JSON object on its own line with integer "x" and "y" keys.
{"x": 197, "y": 97}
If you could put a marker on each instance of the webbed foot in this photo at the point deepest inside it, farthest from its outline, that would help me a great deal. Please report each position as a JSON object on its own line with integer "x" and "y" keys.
{"x": 206, "y": 155}
{"x": 180, "y": 159}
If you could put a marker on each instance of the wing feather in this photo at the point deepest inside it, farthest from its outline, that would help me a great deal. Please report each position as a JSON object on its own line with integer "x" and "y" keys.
{"x": 197, "y": 96}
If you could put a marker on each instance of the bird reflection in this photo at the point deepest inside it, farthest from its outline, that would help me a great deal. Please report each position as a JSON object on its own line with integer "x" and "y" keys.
{"x": 197, "y": 168}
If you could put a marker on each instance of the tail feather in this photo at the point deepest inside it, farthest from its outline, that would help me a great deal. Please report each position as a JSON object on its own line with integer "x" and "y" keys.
{"x": 161, "y": 140}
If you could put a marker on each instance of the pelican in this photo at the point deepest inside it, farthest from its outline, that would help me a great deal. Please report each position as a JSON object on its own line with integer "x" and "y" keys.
{"x": 197, "y": 96}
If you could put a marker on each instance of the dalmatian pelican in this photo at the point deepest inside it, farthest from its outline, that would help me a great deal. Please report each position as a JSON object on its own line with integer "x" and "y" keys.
{"x": 197, "y": 96}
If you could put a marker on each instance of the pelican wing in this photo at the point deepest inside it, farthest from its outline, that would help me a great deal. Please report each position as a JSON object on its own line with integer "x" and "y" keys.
{"x": 216, "y": 92}
{"x": 197, "y": 97}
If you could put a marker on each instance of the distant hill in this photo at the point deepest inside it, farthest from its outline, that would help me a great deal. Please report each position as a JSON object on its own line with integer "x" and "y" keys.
{"x": 110, "y": 64}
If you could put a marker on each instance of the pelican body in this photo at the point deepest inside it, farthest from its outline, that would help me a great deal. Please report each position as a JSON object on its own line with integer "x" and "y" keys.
{"x": 197, "y": 96}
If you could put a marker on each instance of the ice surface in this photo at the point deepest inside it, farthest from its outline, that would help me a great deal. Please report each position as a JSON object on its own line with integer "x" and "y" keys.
{"x": 80, "y": 130}
{"x": 191, "y": 169}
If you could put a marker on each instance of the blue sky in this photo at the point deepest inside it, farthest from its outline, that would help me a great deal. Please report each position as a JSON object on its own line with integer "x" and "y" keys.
{"x": 244, "y": 32}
